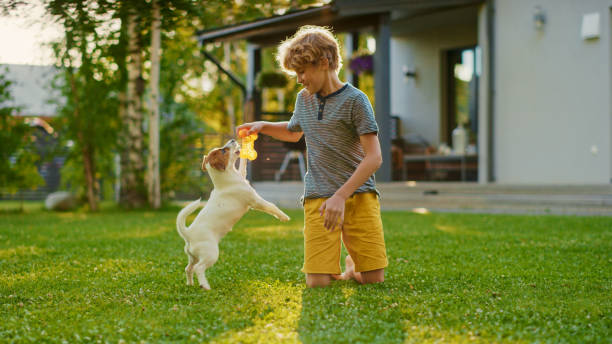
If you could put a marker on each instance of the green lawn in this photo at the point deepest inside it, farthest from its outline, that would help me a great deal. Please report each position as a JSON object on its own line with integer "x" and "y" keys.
{"x": 119, "y": 276}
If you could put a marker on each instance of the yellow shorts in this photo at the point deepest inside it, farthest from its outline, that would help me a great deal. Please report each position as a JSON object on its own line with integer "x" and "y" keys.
{"x": 362, "y": 236}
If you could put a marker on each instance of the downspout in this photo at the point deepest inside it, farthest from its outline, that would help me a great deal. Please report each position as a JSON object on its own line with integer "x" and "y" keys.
{"x": 491, "y": 90}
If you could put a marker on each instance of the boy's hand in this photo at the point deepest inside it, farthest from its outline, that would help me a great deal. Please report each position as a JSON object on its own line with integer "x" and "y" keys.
{"x": 333, "y": 208}
{"x": 253, "y": 128}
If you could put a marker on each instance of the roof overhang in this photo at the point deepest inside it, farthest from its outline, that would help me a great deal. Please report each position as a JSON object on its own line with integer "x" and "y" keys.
{"x": 341, "y": 15}
{"x": 271, "y": 30}
{"x": 411, "y": 7}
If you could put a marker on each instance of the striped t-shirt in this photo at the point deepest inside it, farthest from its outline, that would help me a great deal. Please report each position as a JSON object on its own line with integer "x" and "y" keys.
{"x": 332, "y": 126}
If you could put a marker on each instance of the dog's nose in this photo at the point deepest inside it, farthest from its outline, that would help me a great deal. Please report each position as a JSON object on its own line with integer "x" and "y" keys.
{"x": 233, "y": 141}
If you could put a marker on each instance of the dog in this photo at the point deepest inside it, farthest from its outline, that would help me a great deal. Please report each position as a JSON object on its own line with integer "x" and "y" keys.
{"x": 231, "y": 198}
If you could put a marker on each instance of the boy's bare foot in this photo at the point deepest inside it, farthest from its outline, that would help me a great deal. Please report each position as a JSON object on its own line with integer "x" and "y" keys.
{"x": 349, "y": 270}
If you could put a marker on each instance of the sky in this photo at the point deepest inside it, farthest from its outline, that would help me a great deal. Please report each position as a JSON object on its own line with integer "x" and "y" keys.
{"x": 22, "y": 37}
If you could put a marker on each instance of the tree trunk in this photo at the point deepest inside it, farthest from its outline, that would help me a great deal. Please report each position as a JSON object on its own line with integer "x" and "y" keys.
{"x": 153, "y": 180}
{"x": 89, "y": 168}
{"x": 133, "y": 192}
{"x": 86, "y": 152}
{"x": 121, "y": 96}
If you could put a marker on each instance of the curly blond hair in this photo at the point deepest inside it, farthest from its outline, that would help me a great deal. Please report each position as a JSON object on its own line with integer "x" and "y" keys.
{"x": 306, "y": 47}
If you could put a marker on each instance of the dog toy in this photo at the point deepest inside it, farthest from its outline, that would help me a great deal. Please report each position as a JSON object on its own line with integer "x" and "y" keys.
{"x": 247, "y": 151}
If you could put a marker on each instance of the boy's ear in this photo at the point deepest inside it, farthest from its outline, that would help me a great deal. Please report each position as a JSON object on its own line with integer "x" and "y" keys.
{"x": 324, "y": 63}
{"x": 204, "y": 161}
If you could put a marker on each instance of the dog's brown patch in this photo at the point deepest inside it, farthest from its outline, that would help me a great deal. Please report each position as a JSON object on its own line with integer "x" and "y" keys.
{"x": 217, "y": 159}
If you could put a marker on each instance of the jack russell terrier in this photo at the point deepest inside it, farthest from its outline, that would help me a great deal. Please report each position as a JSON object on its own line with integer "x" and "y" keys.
{"x": 230, "y": 199}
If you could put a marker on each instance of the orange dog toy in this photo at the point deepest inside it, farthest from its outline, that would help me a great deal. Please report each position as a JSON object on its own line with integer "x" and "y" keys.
{"x": 247, "y": 151}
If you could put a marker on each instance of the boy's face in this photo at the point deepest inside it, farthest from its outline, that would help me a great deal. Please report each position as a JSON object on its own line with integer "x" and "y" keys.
{"x": 312, "y": 76}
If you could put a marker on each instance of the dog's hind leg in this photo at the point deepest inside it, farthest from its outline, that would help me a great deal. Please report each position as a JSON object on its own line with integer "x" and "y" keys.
{"x": 207, "y": 256}
{"x": 189, "y": 268}
{"x": 200, "y": 269}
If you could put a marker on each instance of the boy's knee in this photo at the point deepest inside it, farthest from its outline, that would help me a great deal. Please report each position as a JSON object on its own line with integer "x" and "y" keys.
{"x": 374, "y": 276}
{"x": 373, "y": 280}
{"x": 317, "y": 280}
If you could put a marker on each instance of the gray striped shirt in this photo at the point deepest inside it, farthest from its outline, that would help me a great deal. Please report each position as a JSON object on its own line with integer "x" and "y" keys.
{"x": 332, "y": 126}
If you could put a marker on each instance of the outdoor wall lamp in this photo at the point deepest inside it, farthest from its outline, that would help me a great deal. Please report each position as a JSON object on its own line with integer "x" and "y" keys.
{"x": 409, "y": 72}
{"x": 539, "y": 18}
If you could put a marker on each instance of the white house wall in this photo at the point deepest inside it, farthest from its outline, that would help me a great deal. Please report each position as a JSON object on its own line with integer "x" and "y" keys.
{"x": 552, "y": 110}
{"x": 418, "y": 44}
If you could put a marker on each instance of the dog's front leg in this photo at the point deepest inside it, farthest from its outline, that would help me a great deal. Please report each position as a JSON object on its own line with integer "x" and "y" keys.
{"x": 270, "y": 208}
{"x": 242, "y": 167}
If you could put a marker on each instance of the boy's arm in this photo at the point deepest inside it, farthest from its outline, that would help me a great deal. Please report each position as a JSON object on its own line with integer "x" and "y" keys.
{"x": 370, "y": 164}
{"x": 334, "y": 206}
{"x": 277, "y": 130}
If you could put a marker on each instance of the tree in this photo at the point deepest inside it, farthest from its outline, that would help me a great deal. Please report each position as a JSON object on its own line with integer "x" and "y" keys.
{"x": 153, "y": 161}
{"x": 88, "y": 50}
{"x": 132, "y": 163}
{"x": 145, "y": 18}
{"x": 89, "y": 116}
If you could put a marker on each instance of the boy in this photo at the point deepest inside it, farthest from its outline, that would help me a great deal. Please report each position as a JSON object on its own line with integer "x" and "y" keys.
{"x": 340, "y": 196}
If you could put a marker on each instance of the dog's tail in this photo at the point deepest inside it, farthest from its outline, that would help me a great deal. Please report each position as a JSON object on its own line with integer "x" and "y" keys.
{"x": 182, "y": 217}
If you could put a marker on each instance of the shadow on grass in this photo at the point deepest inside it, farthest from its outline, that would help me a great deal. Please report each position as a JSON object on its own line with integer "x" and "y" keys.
{"x": 347, "y": 312}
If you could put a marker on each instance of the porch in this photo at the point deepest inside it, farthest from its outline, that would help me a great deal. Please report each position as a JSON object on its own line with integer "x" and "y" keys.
{"x": 423, "y": 197}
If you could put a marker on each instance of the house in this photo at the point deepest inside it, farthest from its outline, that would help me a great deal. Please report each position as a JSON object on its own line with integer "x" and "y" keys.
{"x": 530, "y": 81}
{"x": 31, "y": 90}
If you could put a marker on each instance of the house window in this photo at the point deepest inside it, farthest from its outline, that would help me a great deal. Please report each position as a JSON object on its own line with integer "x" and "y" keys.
{"x": 462, "y": 72}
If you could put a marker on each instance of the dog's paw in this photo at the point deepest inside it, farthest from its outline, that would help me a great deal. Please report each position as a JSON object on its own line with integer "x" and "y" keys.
{"x": 204, "y": 287}
{"x": 284, "y": 218}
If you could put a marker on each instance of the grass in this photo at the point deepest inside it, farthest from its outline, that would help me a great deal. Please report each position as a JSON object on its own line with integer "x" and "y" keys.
{"x": 119, "y": 276}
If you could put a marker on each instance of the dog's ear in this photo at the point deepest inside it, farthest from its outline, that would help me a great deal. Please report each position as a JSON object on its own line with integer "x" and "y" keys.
{"x": 204, "y": 161}
{"x": 217, "y": 160}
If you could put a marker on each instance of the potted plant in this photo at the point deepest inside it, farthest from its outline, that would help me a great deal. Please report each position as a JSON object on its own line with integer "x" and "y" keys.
{"x": 362, "y": 62}
{"x": 270, "y": 80}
